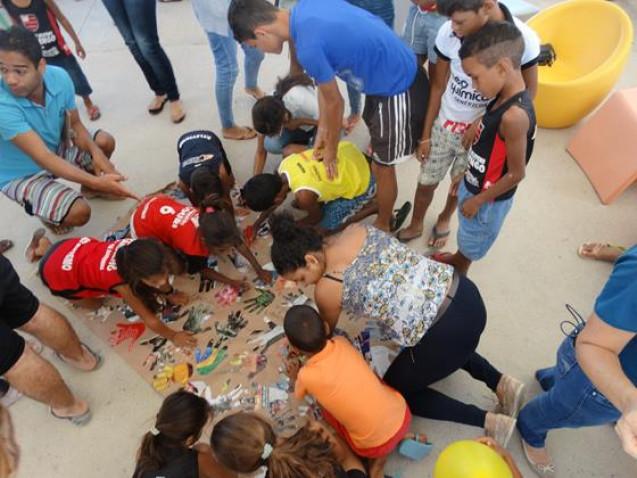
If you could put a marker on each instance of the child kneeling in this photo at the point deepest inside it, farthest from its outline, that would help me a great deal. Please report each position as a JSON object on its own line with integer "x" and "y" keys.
{"x": 371, "y": 416}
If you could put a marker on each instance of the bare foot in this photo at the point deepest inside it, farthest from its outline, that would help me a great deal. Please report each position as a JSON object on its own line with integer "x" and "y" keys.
{"x": 157, "y": 105}
{"x": 177, "y": 113}
{"x": 257, "y": 93}
{"x": 351, "y": 122}
{"x": 409, "y": 233}
{"x": 600, "y": 252}
{"x": 38, "y": 246}
{"x": 238, "y": 133}
{"x": 57, "y": 229}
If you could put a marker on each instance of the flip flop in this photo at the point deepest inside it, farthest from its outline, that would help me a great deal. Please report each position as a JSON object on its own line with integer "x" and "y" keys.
{"x": 77, "y": 420}
{"x": 5, "y": 245}
{"x": 399, "y": 216}
{"x": 436, "y": 236}
{"x": 29, "y": 251}
{"x": 98, "y": 358}
{"x": 158, "y": 109}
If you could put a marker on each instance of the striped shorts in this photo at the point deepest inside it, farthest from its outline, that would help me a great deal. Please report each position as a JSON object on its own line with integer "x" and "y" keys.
{"x": 42, "y": 195}
{"x": 395, "y": 122}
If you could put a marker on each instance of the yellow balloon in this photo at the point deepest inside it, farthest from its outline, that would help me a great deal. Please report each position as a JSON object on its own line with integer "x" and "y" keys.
{"x": 470, "y": 459}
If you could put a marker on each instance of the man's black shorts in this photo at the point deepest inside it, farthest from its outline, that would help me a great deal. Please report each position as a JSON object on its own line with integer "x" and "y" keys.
{"x": 17, "y": 306}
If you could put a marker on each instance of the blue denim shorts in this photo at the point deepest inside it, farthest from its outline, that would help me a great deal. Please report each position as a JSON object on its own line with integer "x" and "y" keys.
{"x": 421, "y": 29}
{"x": 336, "y": 212}
{"x": 477, "y": 235}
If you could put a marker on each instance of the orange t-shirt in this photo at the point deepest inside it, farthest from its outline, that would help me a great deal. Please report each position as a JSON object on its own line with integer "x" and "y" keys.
{"x": 340, "y": 379}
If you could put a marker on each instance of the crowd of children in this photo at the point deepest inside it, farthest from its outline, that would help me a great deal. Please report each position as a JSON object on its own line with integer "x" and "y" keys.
{"x": 457, "y": 93}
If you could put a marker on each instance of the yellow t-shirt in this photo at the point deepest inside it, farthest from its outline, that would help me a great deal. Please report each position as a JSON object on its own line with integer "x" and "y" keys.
{"x": 305, "y": 173}
{"x": 340, "y": 379}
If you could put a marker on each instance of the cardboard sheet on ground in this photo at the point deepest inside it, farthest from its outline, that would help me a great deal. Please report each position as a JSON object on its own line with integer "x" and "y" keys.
{"x": 239, "y": 361}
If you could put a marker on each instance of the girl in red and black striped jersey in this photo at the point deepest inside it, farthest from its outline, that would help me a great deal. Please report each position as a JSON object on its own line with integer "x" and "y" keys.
{"x": 196, "y": 232}
{"x": 85, "y": 270}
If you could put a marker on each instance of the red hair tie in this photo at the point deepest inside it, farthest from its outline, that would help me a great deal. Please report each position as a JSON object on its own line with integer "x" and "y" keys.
{"x": 209, "y": 210}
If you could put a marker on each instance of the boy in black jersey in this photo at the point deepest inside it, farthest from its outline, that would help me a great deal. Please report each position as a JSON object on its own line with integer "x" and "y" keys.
{"x": 503, "y": 143}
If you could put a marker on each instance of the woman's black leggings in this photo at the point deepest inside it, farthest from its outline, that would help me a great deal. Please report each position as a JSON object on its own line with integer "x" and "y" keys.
{"x": 448, "y": 346}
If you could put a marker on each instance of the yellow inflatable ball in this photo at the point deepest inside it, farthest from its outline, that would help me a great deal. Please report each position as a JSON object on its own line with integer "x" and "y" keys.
{"x": 470, "y": 459}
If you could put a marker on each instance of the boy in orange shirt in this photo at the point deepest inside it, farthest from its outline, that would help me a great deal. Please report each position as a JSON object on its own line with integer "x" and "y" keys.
{"x": 371, "y": 416}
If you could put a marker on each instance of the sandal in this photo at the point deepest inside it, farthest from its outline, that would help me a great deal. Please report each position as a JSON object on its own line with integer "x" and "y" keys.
{"x": 542, "y": 470}
{"x": 436, "y": 236}
{"x": 77, "y": 420}
{"x": 159, "y": 108}
{"x": 94, "y": 113}
{"x": 406, "y": 239}
{"x": 441, "y": 257}
{"x": 399, "y": 216}
{"x": 5, "y": 245}
{"x": 98, "y": 359}
{"x": 246, "y": 133}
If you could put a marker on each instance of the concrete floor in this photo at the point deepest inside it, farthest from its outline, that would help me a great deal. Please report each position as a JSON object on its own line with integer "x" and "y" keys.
{"x": 526, "y": 279}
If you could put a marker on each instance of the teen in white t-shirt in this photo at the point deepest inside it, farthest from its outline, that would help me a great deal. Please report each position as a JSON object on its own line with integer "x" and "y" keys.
{"x": 455, "y": 107}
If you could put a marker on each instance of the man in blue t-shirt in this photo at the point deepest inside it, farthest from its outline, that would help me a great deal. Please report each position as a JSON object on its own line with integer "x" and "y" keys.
{"x": 595, "y": 379}
{"x": 42, "y": 138}
{"x": 330, "y": 39}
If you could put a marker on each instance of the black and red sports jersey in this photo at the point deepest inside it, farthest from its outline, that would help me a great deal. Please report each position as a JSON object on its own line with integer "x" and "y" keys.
{"x": 82, "y": 267}
{"x": 488, "y": 155}
{"x": 171, "y": 222}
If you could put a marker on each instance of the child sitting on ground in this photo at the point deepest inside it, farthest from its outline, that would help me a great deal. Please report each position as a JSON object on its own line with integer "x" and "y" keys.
{"x": 244, "y": 442}
{"x": 372, "y": 417}
{"x": 329, "y": 204}
{"x": 85, "y": 270}
{"x": 170, "y": 448}
{"x": 286, "y": 121}
{"x": 504, "y": 141}
{"x": 203, "y": 149}
{"x": 41, "y": 17}
{"x": 196, "y": 232}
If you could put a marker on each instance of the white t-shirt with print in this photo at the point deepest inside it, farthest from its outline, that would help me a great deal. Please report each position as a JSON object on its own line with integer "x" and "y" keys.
{"x": 461, "y": 102}
{"x": 302, "y": 102}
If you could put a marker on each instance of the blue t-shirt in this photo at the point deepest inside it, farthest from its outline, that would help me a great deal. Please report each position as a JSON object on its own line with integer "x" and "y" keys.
{"x": 19, "y": 115}
{"x": 333, "y": 38}
{"x": 617, "y": 306}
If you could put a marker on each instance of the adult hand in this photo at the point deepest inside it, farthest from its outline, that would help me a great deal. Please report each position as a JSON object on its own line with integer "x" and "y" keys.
{"x": 470, "y": 207}
{"x": 184, "y": 340}
{"x": 79, "y": 49}
{"x": 101, "y": 164}
{"x": 111, "y": 183}
{"x": 326, "y": 153}
{"x": 626, "y": 428}
{"x": 424, "y": 147}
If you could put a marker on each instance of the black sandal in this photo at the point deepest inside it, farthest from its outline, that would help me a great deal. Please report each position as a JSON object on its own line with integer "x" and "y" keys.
{"x": 399, "y": 216}
{"x": 160, "y": 108}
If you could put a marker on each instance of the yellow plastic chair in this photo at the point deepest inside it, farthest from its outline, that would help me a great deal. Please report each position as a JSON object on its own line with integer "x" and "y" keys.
{"x": 592, "y": 41}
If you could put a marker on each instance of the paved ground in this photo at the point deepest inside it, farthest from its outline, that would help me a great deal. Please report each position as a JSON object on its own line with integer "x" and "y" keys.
{"x": 526, "y": 280}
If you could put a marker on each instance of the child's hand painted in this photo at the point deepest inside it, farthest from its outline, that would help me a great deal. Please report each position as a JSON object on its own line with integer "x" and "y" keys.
{"x": 470, "y": 207}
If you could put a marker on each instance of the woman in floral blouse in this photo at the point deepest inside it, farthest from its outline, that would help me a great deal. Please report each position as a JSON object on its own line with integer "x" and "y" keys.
{"x": 436, "y": 315}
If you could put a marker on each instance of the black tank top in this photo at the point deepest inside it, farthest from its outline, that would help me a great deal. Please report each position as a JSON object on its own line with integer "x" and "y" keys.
{"x": 38, "y": 19}
{"x": 488, "y": 155}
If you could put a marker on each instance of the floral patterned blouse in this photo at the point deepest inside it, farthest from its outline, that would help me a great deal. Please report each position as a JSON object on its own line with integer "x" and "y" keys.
{"x": 395, "y": 285}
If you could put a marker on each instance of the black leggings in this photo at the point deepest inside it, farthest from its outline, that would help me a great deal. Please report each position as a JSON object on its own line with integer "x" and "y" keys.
{"x": 448, "y": 346}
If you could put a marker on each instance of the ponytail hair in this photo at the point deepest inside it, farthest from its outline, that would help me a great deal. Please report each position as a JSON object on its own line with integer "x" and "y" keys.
{"x": 243, "y": 442}
{"x": 288, "y": 82}
{"x": 9, "y": 450}
{"x": 291, "y": 243}
{"x": 180, "y": 419}
{"x": 144, "y": 258}
{"x": 217, "y": 224}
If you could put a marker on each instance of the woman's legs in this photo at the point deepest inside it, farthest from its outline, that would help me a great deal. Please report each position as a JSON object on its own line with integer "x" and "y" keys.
{"x": 142, "y": 15}
{"x": 119, "y": 15}
{"x": 251, "y": 65}
{"x": 448, "y": 346}
{"x": 224, "y": 50}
